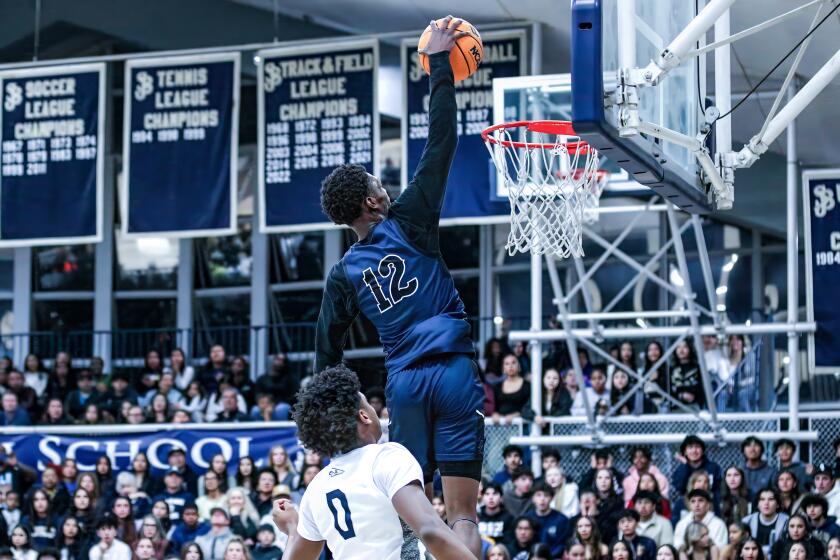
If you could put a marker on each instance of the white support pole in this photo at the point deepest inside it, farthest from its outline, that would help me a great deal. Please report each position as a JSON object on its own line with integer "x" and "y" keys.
{"x": 723, "y": 85}
{"x": 793, "y": 267}
{"x": 658, "y": 439}
{"x": 662, "y": 332}
{"x": 626, "y": 33}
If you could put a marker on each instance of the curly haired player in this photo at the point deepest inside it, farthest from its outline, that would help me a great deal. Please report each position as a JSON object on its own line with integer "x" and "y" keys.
{"x": 396, "y": 277}
{"x": 355, "y": 504}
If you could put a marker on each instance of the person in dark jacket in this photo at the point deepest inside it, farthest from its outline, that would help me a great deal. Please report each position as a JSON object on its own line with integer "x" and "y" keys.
{"x": 217, "y": 369}
{"x": 494, "y": 522}
{"x": 119, "y": 393}
{"x": 40, "y": 520}
{"x": 823, "y": 526}
{"x": 174, "y": 494}
{"x": 640, "y": 547}
{"x": 84, "y": 393}
{"x": 13, "y": 474}
{"x": 189, "y": 528}
{"x": 552, "y": 526}
{"x": 798, "y": 531}
{"x": 12, "y": 414}
{"x": 55, "y": 489}
{"x": 265, "y": 549}
{"x": 693, "y": 451}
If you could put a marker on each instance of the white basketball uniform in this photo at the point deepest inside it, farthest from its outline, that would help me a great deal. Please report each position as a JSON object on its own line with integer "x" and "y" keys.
{"x": 348, "y": 504}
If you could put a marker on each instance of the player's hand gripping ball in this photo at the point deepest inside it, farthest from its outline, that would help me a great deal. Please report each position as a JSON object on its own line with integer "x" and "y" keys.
{"x": 457, "y": 36}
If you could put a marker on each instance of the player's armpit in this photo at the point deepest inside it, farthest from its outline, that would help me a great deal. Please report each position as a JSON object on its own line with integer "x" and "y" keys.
{"x": 415, "y": 509}
{"x": 301, "y": 549}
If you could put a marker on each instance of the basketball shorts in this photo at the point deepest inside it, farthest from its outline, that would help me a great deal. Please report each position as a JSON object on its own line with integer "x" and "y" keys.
{"x": 436, "y": 411}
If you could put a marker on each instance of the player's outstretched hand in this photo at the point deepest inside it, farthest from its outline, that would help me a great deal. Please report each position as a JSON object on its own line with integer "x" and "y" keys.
{"x": 444, "y": 35}
{"x": 285, "y": 515}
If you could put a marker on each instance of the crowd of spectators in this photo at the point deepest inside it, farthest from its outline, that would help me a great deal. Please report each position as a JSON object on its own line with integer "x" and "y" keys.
{"x": 165, "y": 389}
{"x": 747, "y": 511}
{"x": 673, "y": 384}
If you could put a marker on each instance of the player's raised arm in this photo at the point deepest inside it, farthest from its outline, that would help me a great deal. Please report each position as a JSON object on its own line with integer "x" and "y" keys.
{"x": 286, "y": 518}
{"x": 422, "y": 200}
{"x": 416, "y": 510}
{"x": 338, "y": 310}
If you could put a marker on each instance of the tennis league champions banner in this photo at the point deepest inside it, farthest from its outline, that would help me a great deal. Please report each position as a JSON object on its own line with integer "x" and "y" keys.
{"x": 470, "y": 194}
{"x": 52, "y": 175}
{"x": 253, "y": 440}
{"x": 821, "y": 193}
{"x": 317, "y": 109}
{"x": 180, "y": 146}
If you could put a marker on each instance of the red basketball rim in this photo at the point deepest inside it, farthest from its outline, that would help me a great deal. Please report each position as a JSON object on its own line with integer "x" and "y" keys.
{"x": 560, "y": 128}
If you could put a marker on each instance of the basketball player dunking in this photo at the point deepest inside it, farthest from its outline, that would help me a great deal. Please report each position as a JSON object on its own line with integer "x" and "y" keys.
{"x": 396, "y": 277}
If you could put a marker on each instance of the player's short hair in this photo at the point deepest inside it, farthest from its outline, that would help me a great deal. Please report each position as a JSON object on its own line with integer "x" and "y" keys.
{"x": 326, "y": 409}
{"x": 342, "y": 193}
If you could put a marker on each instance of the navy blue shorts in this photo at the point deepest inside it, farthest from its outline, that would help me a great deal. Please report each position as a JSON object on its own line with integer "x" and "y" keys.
{"x": 436, "y": 411}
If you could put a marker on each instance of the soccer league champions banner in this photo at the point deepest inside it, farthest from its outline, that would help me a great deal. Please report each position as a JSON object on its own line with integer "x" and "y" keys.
{"x": 51, "y": 180}
{"x": 821, "y": 193}
{"x": 41, "y": 449}
{"x": 317, "y": 109}
{"x": 470, "y": 194}
{"x": 180, "y": 146}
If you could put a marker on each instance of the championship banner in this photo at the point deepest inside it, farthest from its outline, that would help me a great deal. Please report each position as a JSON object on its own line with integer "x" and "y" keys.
{"x": 317, "y": 109}
{"x": 180, "y": 146}
{"x": 821, "y": 194}
{"x": 52, "y": 176}
{"x": 253, "y": 440}
{"x": 470, "y": 194}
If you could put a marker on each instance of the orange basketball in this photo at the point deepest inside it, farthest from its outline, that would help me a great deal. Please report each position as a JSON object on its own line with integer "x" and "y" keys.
{"x": 464, "y": 57}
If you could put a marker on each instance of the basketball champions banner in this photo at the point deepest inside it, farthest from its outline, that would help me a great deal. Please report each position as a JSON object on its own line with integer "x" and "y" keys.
{"x": 821, "y": 194}
{"x": 254, "y": 440}
{"x": 180, "y": 146}
{"x": 52, "y": 175}
{"x": 317, "y": 109}
{"x": 470, "y": 194}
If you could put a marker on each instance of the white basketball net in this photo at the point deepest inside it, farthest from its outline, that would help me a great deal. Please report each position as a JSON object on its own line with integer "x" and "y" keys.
{"x": 553, "y": 189}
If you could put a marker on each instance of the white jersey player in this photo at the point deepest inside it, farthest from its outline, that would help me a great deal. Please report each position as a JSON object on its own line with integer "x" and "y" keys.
{"x": 355, "y": 504}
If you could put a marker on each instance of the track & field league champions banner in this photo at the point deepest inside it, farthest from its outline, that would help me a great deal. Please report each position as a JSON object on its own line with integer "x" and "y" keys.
{"x": 253, "y": 440}
{"x": 317, "y": 109}
{"x": 821, "y": 194}
{"x": 51, "y": 180}
{"x": 180, "y": 145}
{"x": 470, "y": 194}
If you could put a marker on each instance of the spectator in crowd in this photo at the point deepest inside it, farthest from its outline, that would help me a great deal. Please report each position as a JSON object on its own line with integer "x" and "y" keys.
{"x": 82, "y": 509}
{"x": 788, "y": 487}
{"x": 135, "y": 415}
{"x": 261, "y": 497}
{"x": 61, "y": 381}
{"x": 226, "y": 403}
{"x": 246, "y": 475}
{"x": 735, "y": 496}
{"x": 625, "y": 399}
{"x": 658, "y": 378}
{"x": 124, "y": 517}
{"x": 610, "y": 504}
{"x": 21, "y": 544}
{"x": 495, "y": 351}
{"x": 833, "y": 550}
{"x": 693, "y": 452}
{"x": 556, "y": 399}
{"x": 575, "y": 551}
{"x": 13, "y": 414}
{"x": 152, "y": 529}
{"x": 84, "y": 393}
{"x": 54, "y": 414}
{"x": 825, "y": 485}
{"x": 786, "y": 452}
{"x": 524, "y": 535}
{"x": 244, "y": 518}
{"x": 494, "y": 521}
{"x": 686, "y": 381}
{"x": 265, "y": 549}
{"x": 588, "y": 534}
{"x": 667, "y": 552}
{"x": 768, "y": 523}
{"x": 552, "y": 526}
{"x": 513, "y": 394}
{"x": 214, "y": 542}
{"x": 700, "y": 504}
{"x": 640, "y": 458}
{"x": 570, "y": 384}
{"x": 69, "y": 473}
{"x": 55, "y": 490}
{"x": 758, "y": 474}
{"x": 109, "y": 546}
{"x": 195, "y": 401}
{"x": 738, "y": 533}
{"x": 797, "y": 532}
{"x": 597, "y": 393}
{"x": 550, "y": 458}
{"x": 512, "y": 456}
{"x": 144, "y": 549}
{"x": 213, "y": 496}
{"x": 181, "y": 371}
{"x": 105, "y": 477}
{"x": 149, "y": 377}
{"x": 35, "y": 375}
{"x": 69, "y": 542}
{"x": 699, "y": 480}
{"x": 518, "y": 498}
{"x": 27, "y": 398}
{"x": 13, "y": 474}
{"x": 619, "y": 551}
{"x": 643, "y": 548}
{"x": 177, "y": 457}
{"x": 158, "y": 410}
{"x": 824, "y": 526}
{"x": 40, "y": 521}
{"x": 240, "y": 379}
{"x": 648, "y": 483}
{"x": 218, "y": 465}
{"x": 11, "y": 515}
{"x": 751, "y": 549}
{"x": 166, "y": 388}
{"x": 698, "y": 545}
{"x": 565, "y": 498}
{"x": 189, "y": 528}
{"x": 651, "y": 524}
{"x": 279, "y": 462}
{"x": 216, "y": 370}
{"x": 602, "y": 458}
{"x": 174, "y": 494}
{"x": 279, "y": 382}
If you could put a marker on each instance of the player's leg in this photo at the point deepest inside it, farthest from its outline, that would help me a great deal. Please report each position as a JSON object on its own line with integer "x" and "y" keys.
{"x": 458, "y": 401}
{"x": 410, "y": 426}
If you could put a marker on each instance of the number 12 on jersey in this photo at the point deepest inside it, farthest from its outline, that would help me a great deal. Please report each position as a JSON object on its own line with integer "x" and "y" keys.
{"x": 337, "y": 496}
{"x": 393, "y": 266}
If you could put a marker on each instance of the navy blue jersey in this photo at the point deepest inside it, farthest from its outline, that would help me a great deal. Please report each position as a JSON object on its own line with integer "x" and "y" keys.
{"x": 396, "y": 276}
